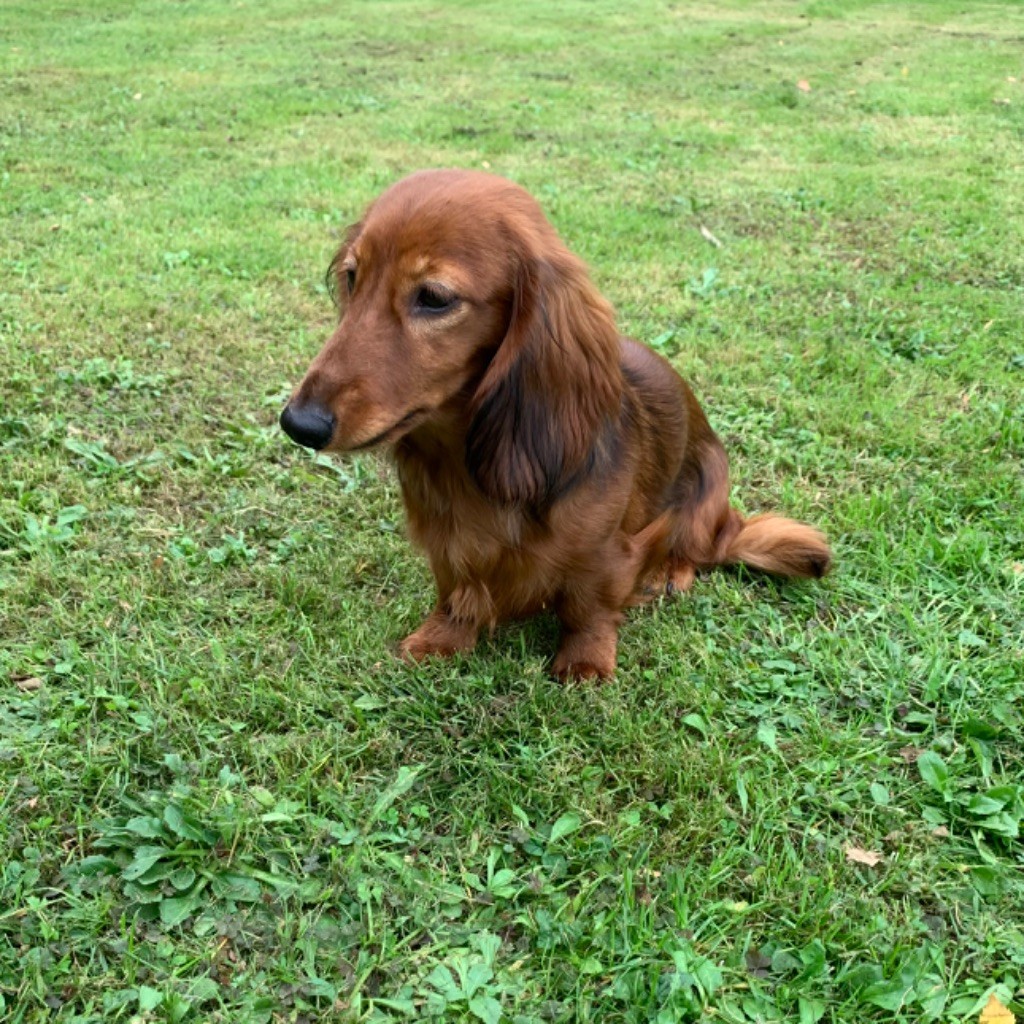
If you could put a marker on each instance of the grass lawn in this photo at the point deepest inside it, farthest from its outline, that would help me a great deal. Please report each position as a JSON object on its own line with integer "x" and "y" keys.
{"x": 223, "y": 799}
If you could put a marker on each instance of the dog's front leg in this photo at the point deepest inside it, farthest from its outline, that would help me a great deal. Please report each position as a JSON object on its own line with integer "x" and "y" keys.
{"x": 588, "y": 650}
{"x": 454, "y": 624}
{"x": 590, "y": 628}
{"x": 591, "y": 602}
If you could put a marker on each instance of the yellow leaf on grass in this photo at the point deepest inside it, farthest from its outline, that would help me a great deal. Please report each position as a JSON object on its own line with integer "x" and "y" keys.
{"x": 996, "y": 1013}
{"x": 803, "y": 85}
{"x": 859, "y": 856}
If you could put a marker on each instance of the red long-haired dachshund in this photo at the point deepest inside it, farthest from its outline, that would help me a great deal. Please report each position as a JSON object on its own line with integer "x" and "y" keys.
{"x": 545, "y": 461}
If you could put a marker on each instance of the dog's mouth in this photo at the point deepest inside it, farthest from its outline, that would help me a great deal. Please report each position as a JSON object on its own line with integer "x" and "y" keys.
{"x": 391, "y": 434}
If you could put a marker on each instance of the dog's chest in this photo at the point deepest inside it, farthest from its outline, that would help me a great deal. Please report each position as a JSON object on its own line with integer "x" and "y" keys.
{"x": 451, "y": 519}
{"x": 470, "y": 541}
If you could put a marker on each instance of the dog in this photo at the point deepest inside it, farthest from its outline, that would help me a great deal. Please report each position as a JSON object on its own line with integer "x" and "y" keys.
{"x": 545, "y": 461}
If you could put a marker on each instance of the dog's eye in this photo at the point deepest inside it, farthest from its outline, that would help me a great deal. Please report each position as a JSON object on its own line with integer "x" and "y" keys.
{"x": 432, "y": 300}
{"x": 350, "y": 279}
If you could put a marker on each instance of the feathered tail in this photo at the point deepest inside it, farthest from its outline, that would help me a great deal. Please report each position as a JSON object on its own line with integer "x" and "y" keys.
{"x": 780, "y": 546}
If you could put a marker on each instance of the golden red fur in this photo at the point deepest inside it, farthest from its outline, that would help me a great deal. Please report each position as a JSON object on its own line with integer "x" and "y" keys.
{"x": 545, "y": 461}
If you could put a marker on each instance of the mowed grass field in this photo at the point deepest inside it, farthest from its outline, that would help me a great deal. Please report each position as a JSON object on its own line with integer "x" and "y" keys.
{"x": 223, "y": 799}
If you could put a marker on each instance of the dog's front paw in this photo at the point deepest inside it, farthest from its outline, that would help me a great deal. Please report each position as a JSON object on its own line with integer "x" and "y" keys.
{"x": 587, "y": 653}
{"x": 439, "y": 636}
{"x": 576, "y": 666}
{"x": 582, "y": 671}
{"x": 415, "y": 648}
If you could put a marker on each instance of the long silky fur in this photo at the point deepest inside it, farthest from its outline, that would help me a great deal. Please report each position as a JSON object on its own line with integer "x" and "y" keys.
{"x": 780, "y": 546}
{"x": 554, "y": 381}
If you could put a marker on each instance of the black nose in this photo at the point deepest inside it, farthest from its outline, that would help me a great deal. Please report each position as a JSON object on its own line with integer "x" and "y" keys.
{"x": 309, "y": 425}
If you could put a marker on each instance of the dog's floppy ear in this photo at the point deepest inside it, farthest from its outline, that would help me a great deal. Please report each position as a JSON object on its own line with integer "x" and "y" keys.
{"x": 332, "y": 279}
{"x": 553, "y": 384}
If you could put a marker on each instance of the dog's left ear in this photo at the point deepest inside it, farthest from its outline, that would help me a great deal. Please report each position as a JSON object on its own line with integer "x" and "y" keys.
{"x": 553, "y": 384}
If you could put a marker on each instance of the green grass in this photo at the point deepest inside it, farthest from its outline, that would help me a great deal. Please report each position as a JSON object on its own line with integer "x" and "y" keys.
{"x": 221, "y": 796}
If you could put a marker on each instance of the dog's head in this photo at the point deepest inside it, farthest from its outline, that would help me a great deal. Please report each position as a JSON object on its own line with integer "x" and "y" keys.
{"x": 458, "y": 299}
